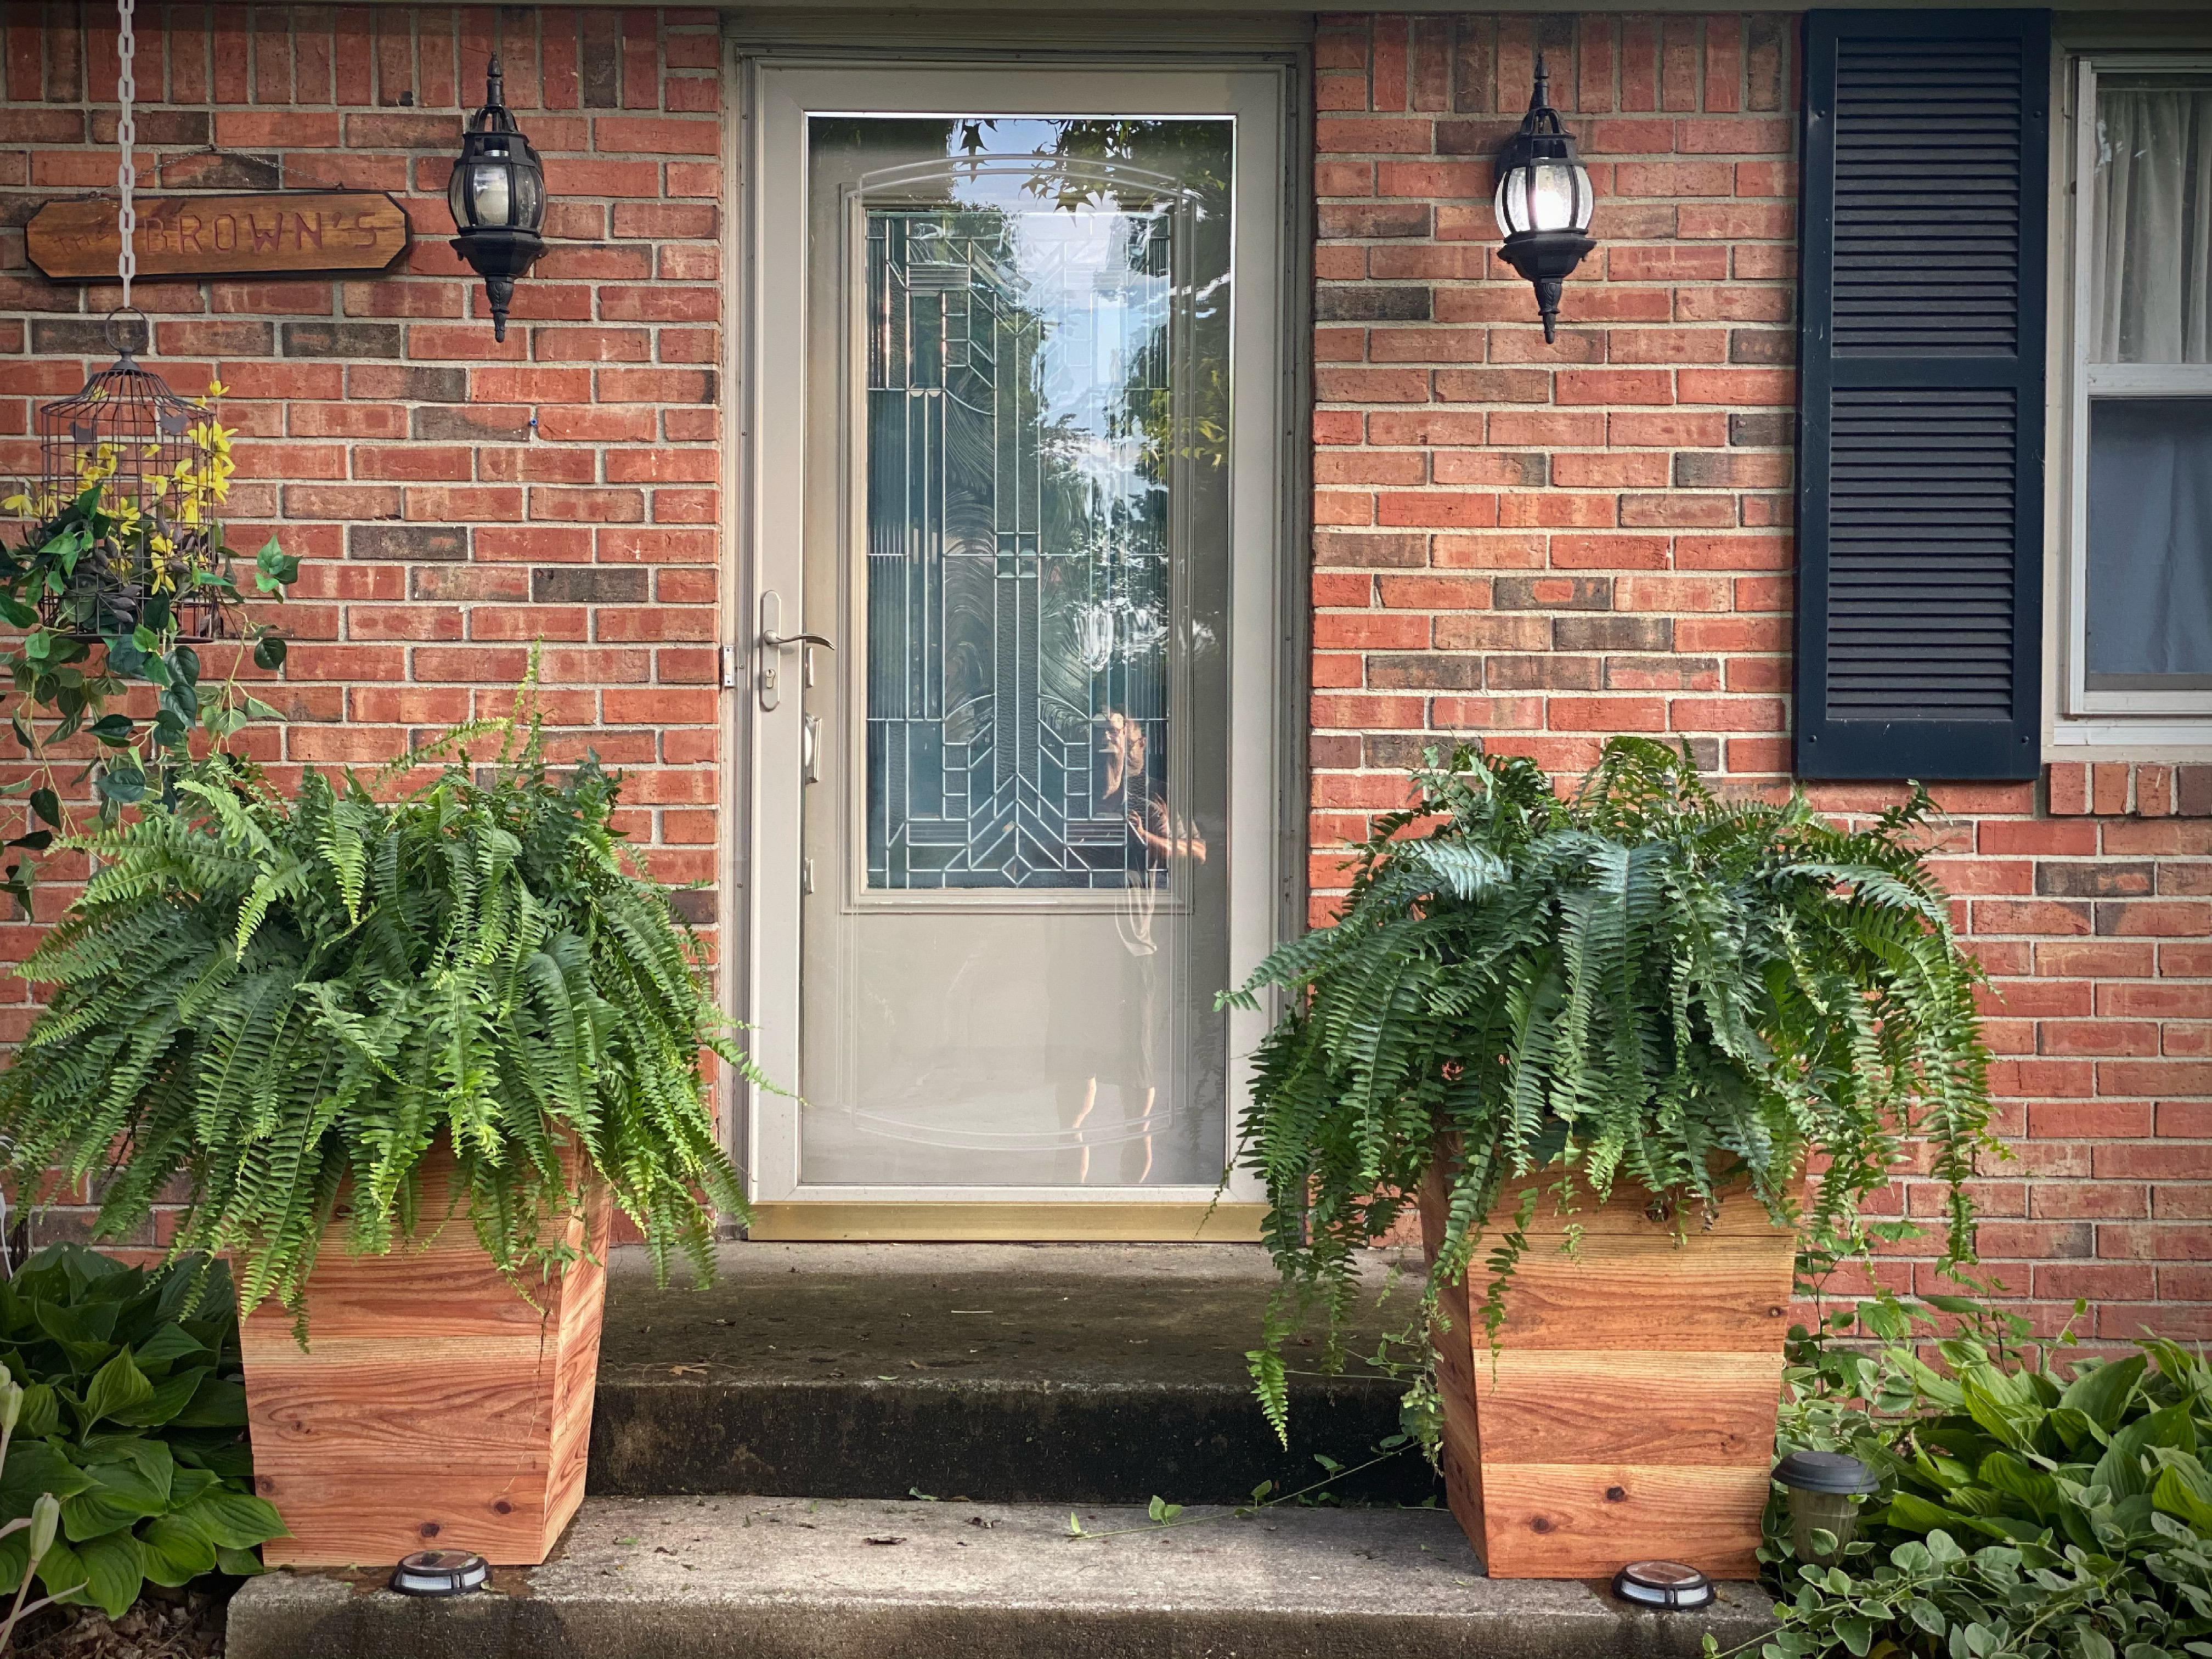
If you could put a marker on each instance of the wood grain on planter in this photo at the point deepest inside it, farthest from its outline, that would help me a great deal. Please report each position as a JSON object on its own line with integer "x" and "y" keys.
{"x": 434, "y": 1406}
{"x": 1629, "y": 1412}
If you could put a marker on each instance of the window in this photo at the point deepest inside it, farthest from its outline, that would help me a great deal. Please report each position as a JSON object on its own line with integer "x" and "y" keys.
{"x": 2135, "y": 662}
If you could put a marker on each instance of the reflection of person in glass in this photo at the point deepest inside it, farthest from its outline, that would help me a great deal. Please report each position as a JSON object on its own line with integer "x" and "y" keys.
{"x": 1131, "y": 783}
{"x": 1141, "y": 793}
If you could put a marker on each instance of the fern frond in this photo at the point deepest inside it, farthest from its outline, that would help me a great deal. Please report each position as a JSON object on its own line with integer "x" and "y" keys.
{"x": 1640, "y": 983}
{"x": 278, "y": 1002}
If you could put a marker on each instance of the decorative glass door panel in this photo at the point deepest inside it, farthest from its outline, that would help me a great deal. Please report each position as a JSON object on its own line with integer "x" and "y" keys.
{"x": 1014, "y": 834}
{"x": 1019, "y": 547}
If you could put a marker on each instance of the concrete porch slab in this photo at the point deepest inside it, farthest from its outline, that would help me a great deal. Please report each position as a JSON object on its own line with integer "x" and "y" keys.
{"x": 800, "y": 1578}
{"x": 1012, "y": 1373}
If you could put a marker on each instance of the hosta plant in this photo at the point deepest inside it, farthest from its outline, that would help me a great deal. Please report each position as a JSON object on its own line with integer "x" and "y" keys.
{"x": 260, "y": 1003}
{"x": 127, "y": 1407}
{"x": 2028, "y": 1509}
{"x": 1636, "y": 982}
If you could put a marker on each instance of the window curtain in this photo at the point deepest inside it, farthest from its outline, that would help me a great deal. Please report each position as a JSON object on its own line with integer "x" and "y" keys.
{"x": 2151, "y": 288}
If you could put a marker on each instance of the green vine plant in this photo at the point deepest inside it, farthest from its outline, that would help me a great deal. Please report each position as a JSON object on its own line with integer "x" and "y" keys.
{"x": 102, "y": 582}
{"x": 1640, "y": 981}
{"x": 280, "y": 1003}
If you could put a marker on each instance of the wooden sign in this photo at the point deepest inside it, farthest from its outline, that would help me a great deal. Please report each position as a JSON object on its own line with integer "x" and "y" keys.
{"x": 221, "y": 235}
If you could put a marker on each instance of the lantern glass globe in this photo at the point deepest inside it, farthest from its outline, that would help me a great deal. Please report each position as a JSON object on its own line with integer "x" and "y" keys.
{"x": 1544, "y": 195}
{"x": 492, "y": 200}
{"x": 490, "y": 190}
{"x": 529, "y": 198}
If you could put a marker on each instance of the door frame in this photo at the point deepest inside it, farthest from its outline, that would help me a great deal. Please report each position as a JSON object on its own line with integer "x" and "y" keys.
{"x": 1267, "y": 835}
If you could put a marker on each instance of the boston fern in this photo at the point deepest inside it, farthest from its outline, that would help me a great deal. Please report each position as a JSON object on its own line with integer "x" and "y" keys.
{"x": 1638, "y": 982}
{"x": 283, "y": 1002}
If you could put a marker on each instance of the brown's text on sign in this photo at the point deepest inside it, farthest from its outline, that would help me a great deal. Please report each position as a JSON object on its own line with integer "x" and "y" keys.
{"x": 221, "y": 235}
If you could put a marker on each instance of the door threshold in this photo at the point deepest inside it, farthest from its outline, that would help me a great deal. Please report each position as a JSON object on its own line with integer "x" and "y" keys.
{"x": 1125, "y": 1223}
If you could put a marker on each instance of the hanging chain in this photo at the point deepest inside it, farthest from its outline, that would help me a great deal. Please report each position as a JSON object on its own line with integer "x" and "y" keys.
{"x": 126, "y": 137}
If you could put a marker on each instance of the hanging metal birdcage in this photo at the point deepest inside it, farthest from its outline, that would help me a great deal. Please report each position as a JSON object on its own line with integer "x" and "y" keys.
{"x": 151, "y": 455}
{"x": 159, "y": 463}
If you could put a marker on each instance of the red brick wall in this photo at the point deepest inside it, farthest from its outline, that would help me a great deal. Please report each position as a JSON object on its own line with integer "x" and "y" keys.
{"x": 1530, "y": 546}
{"x": 1533, "y": 547}
{"x": 452, "y": 498}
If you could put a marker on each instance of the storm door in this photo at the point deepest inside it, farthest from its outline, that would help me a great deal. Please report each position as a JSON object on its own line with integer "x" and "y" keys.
{"x": 1007, "y": 765}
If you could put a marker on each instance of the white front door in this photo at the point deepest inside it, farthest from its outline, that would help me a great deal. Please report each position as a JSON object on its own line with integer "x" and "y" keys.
{"x": 1016, "y": 448}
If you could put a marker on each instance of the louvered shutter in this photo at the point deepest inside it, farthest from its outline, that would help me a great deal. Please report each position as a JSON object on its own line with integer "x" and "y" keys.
{"x": 1920, "y": 432}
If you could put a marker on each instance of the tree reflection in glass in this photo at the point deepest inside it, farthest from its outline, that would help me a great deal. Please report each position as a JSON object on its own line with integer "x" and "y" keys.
{"x": 1027, "y": 426}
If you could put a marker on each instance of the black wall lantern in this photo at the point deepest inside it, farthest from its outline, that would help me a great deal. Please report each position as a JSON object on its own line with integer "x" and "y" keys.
{"x": 1543, "y": 202}
{"x": 497, "y": 194}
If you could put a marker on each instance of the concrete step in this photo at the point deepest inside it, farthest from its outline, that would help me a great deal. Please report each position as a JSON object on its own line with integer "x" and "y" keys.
{"x": 1004, "y": 1373}
{"x": 798, "y": 1578}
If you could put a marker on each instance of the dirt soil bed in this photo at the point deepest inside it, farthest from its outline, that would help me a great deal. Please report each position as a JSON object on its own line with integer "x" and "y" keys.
{"x": 190, "y": 1627}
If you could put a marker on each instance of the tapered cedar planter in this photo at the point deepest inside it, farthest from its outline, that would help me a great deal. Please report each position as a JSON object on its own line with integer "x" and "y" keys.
{"x": 434, "y": 1407}
{"x": 1630, "y": 1413}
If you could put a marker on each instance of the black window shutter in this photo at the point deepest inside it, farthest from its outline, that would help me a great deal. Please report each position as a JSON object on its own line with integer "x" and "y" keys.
{"x": 1923, "y": 296}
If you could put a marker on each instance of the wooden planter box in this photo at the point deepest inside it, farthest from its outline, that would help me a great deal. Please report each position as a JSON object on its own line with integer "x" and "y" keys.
{"x": 433, "y": 1409}
{"x": 1628, "y": 1415}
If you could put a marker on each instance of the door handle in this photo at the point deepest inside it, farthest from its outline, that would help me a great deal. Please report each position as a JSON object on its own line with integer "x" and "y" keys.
{"x": 770, "y": 647}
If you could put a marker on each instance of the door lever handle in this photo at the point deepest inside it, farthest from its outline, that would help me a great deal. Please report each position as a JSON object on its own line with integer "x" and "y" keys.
{"x": 768, "y": 644}
{"x": 771, "y": 645}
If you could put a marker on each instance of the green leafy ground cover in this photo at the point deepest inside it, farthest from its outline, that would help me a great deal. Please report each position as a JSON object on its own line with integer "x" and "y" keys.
{"x": 133, "y": 1415}
{"x": 2030, "y": 1507}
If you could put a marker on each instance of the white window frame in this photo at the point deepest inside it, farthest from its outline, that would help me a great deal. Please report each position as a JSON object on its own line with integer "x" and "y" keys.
{"x": 2159, "y": 721}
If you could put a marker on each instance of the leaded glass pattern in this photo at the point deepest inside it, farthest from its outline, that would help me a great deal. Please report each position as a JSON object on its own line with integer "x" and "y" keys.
{"x": 1019, "y": 603}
